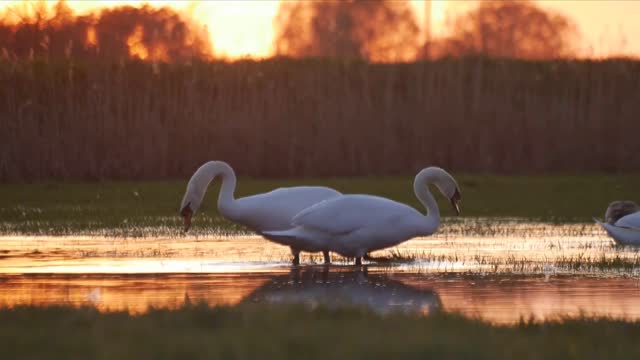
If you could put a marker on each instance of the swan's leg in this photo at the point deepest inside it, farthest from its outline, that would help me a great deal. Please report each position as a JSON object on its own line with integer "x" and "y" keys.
{"x": 325, "y": 274}
{"x": 296, "y": 256}
{"x": 358, "y": 260}
{"x": 294, "y": 274}
{"x": 327, "y": 258}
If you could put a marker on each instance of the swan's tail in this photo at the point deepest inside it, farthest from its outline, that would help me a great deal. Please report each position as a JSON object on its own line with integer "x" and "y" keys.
{"x": 606, "y": 227}
{"x": 278, "y": 233}
{"x": 284, "y": 237}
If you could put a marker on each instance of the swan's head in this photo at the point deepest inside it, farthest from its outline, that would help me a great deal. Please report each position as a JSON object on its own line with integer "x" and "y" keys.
{"x": 619, "y": 209}
{"x": 197, "y": 187}
{"x": 445, "y": 183}
{"x": 190, "y": 204}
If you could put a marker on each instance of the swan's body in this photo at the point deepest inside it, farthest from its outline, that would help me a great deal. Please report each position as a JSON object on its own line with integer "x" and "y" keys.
{"x": 353, "y": 225}
{"x": 622, "y": 222}
{"x": 262, "y": 212}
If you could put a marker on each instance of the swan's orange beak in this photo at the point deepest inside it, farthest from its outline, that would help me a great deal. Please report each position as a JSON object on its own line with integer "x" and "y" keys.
{"x": 455, "y": 200}
{"x": 186, "y": 213}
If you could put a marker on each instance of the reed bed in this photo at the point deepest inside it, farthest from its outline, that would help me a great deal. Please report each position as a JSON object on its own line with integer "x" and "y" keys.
{"x": 281, "y": 117}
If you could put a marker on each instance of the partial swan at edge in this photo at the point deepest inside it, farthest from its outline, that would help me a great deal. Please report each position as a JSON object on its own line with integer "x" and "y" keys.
{"x": 622, "y": 222}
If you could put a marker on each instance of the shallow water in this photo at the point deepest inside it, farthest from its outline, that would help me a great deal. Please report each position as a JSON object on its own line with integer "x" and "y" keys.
{"x": 477, "y": 246}
{"x": 499, "y": 271}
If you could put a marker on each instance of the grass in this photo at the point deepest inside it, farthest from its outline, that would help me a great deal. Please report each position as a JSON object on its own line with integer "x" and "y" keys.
{"x": 604, "y": 263}
{"x": 250, "y": 332}
{"x": 151, "y": 207}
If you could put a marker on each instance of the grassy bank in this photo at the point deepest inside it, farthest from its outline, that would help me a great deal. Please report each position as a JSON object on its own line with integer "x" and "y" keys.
{"x": 295, "y": 118}
{"x": 290, "y": 333}
{"x": 59, "y": 208}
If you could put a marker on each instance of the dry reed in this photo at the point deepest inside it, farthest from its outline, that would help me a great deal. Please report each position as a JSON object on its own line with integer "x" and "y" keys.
{"x": 280, "y": 117}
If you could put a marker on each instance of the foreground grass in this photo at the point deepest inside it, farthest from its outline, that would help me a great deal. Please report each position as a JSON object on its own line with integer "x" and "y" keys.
{"x": 59, "y": 208}
{"x": 287, "y": 333}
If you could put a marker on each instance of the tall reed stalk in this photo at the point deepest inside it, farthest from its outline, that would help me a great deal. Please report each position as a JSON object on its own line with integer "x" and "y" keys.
{"x": 286, "y": 118}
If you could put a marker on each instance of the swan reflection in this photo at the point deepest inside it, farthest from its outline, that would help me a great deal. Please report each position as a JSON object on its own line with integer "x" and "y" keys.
{"x": 318, "y": 286}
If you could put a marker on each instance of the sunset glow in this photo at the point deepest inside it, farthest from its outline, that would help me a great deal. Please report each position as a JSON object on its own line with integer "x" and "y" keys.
{"x": 237, "y": 28}
{"x": 246, "y": 28}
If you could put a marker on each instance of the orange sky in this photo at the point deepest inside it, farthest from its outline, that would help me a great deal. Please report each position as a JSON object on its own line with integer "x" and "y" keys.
{"x": 609, "y": 27}
{"x": 241, "y": 28}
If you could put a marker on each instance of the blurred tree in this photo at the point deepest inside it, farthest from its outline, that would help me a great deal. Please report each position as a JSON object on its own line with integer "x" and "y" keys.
{"x": 150, "y": 33}
{"x": 116, "y": 33}
{"x": 373, "y": 30}
{"x": 512, "y": 29}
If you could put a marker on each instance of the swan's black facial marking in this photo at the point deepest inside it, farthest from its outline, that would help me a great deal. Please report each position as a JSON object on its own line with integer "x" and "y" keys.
{"x": 187, "y": 213}
{"x": 455, "y": 199}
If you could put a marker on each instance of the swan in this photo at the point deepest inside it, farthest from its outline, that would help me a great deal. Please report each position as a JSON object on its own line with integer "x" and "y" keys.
{"x": 622, "y": 222}
{"x": 268, "y": 211}
{"x": 353, "y": 225}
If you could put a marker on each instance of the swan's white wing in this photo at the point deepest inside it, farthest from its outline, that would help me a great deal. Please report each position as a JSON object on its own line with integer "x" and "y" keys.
{"x": 348, "y": 213}
{"x": 275, "y": 209}
{"x": 631, "y": 221}
{"x": 622, "y": 235}
{"x": 297, "y": 196}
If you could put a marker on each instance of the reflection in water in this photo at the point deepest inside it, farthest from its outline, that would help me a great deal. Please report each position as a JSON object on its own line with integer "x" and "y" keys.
{"x": 319, "y": 286}
{"x": 127, "y": 292}
{"x": 496, "y": 299}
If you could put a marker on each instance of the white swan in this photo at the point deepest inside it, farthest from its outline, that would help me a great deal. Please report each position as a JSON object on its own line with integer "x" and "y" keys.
{"x": 622, "y": 222}
{"x": 353, "y": 225}
{"x": 269, "y": 211}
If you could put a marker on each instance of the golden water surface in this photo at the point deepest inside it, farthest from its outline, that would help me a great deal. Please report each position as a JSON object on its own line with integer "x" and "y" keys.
{"x": 499, "y": 273}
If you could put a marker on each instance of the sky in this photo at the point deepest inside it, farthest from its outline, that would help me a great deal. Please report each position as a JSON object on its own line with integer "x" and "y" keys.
{"x": 610, "y": 27}
{"x": 245, "y": 28}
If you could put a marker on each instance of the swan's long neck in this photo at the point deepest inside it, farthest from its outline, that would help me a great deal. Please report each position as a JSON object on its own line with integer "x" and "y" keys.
{"x": 421, "y": 188}
{"x": 226, "y": 198}
{"x": 209, "y": 171}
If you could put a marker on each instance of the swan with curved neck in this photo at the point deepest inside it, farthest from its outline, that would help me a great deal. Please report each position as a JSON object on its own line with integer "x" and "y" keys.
{"x": 353, "y": 225}
{"x": 262, "y": 212}
{"x": 622, "y": 222}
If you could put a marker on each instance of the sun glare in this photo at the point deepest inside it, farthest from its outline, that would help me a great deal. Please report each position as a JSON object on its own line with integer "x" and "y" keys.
{"x": 238, "y": 28}
{"x": 437, "y": 11}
